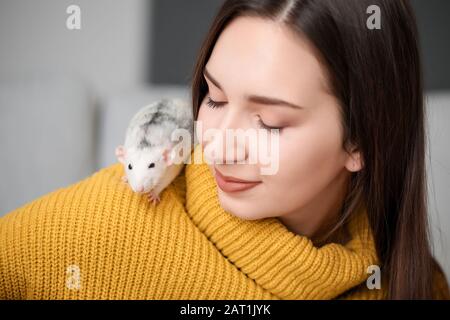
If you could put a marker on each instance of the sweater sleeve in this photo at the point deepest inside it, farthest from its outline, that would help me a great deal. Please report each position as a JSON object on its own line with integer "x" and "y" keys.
{"x": 12, "y": 281}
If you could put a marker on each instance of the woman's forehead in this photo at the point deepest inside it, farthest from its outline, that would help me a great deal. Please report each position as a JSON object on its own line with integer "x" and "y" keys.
{"x": 260, "y": 56}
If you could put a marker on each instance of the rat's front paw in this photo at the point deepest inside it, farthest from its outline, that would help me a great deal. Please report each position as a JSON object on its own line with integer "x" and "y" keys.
{"x": 124, "y": 179}
{"x": 154, "y": 197}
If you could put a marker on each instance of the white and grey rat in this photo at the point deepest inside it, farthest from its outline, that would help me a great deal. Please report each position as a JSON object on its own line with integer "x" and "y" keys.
{"x": 149, "y": 151}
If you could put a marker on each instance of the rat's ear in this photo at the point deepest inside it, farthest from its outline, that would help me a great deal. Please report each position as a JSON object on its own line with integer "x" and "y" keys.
{"x": 167, "y": 156}
{"x": 120, "y": 154}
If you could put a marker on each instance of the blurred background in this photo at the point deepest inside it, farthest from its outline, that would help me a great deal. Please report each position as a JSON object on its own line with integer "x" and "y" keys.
{"x": 66, "y": 96}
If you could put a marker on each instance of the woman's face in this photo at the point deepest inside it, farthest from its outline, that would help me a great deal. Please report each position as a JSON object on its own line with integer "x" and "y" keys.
{"x": 256, "y": 57}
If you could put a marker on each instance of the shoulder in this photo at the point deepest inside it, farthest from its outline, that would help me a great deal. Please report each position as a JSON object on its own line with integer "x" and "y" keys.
{"x": 440, "y": 284}
{"x": 86, "y": 222}
{"x": 71, "y": 202}
{"x": 103, "y": 191}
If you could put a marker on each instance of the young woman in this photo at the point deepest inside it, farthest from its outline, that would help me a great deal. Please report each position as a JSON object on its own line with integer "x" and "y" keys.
{"x": 357, "y": 133}
{"x": 348, "y": 198}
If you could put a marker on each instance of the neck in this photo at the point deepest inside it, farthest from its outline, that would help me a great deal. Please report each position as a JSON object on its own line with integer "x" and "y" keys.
{"x": 317, "y": 219}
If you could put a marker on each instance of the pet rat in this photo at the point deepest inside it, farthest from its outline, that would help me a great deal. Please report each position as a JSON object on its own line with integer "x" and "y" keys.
{"x": 149, "y": 152}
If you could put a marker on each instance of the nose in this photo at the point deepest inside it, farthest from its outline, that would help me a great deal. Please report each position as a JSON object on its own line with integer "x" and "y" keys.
{"x": 227, "y": 151}
{"x": 230, "y": 147}
{"x": 140, "y": 188}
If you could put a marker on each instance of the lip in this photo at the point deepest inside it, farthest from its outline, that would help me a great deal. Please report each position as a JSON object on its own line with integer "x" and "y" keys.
{"x": 233, "y": 184}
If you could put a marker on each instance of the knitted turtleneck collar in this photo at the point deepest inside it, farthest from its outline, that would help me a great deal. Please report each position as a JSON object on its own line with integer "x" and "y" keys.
{"x": 287, "y": 265}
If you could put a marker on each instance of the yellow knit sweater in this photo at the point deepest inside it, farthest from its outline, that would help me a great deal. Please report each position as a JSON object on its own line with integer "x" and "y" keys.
{"x": 96, "y": 239}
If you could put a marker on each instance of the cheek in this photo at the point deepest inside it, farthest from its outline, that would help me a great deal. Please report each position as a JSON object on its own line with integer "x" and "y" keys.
{"x": 209, "y": 116}
{"x": 311, "y": 156}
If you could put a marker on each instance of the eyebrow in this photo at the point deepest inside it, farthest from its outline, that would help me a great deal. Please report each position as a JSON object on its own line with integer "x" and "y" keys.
{"x": 255, "y": 98}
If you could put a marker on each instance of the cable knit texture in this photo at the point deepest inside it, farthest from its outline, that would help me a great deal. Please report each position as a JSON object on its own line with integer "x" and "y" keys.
{"x": 96, "y": 239}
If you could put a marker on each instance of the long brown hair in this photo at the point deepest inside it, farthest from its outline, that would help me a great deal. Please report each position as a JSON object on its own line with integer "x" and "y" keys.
{"x": 376, "y": 75}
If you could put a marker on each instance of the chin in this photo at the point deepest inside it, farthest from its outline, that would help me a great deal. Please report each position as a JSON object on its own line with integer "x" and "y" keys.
{"x": 241, "y": 208}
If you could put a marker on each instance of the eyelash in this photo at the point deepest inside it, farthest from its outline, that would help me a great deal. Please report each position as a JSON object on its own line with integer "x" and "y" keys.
{"x": 214, "y": 104}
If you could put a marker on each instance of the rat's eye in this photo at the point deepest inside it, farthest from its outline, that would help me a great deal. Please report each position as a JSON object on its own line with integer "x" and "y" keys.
{"x": 151, "y": 165}
{"x": 130, "y": 166}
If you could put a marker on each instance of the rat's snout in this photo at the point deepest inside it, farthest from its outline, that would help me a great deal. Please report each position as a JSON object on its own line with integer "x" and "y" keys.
{"x": 137, "y": 187}
{"x": 142, "y": 185}
{"x": 142, "y": 188}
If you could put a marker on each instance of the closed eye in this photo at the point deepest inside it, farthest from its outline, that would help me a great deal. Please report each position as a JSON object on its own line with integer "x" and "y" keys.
{"x": 266, "y": 127}
{"x": 214, "y": 104}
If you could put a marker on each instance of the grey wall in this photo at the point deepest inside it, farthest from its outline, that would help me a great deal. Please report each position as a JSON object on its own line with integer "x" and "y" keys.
{"x": 178, "y": 30}
{"x": 110, "y": 52}
{"x": 434, "y": 27}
